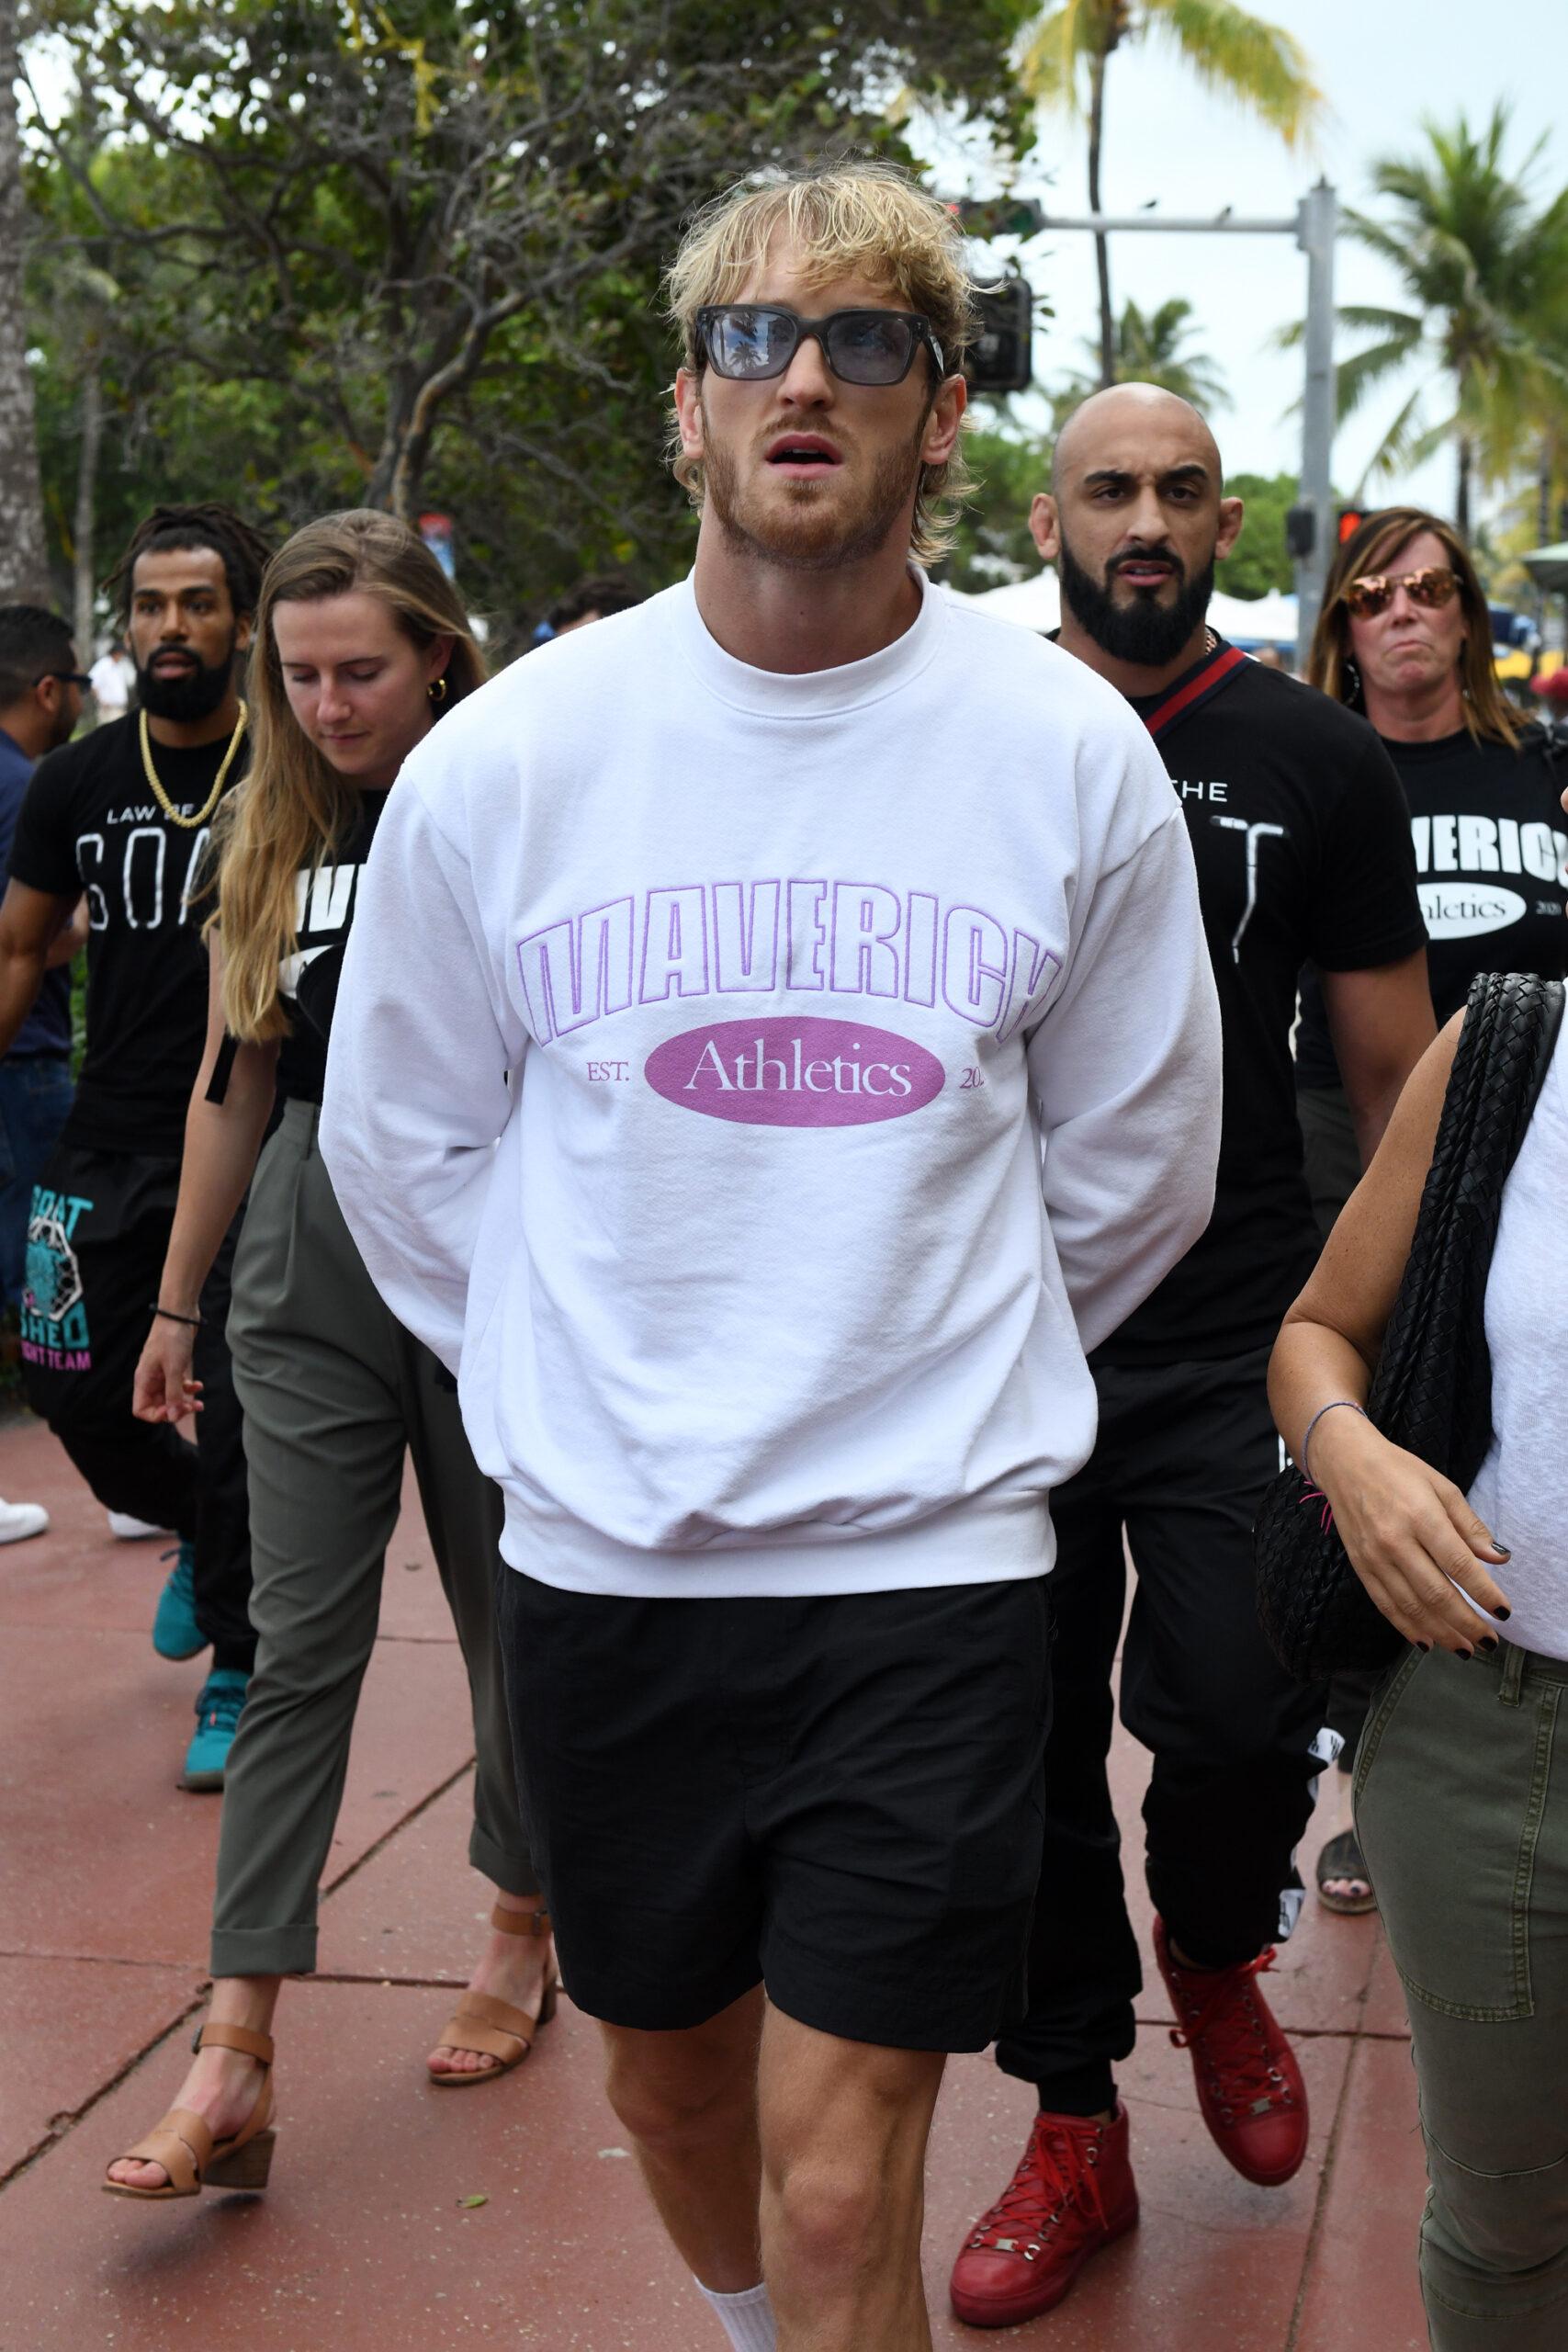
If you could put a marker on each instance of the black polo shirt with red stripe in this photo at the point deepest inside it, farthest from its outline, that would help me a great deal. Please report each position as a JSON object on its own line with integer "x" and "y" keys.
{"x": 1301, "y": 840}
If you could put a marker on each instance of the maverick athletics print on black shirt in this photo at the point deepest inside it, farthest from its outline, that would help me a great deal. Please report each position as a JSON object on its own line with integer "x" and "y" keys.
{"x": 1298, "y": 828}
{"x": 1486, "y": 823}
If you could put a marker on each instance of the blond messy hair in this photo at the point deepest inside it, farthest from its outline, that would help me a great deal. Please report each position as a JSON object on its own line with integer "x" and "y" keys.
{"x": 856, "y": 219}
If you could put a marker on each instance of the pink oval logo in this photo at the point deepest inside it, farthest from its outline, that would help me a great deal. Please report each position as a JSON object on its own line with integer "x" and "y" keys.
{"x": 785, "y": 1072}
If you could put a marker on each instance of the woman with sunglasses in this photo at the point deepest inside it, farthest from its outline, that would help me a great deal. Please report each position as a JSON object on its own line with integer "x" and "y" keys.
{"x": 1404, "y": 636}
{"x": 361, "y": 643}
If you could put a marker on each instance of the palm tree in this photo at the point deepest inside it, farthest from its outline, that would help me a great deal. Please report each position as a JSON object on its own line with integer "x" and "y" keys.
{"x": 1066, "y": 53}
{"x": 1483, "y": 270}
{"x": 1150, "y": 349}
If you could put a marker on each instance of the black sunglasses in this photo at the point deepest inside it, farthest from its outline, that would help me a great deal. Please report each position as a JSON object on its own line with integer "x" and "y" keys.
{"x": 66, "y": 678}
{"x": 749, "y": 343}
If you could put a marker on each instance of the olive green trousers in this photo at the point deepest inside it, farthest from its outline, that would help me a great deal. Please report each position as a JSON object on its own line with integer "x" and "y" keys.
{"x": 1461, "y": 1806}
{"x": 334, "y": 1391}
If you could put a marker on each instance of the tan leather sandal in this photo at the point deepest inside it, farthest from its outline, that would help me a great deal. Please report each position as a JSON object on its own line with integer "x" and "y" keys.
{"x": 184, "y": 2144}
{"x": 495, "y": 2028}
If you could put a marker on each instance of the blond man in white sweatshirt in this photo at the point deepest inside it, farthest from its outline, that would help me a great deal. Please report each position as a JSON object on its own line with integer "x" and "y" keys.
{"x": 777, "y": 1041}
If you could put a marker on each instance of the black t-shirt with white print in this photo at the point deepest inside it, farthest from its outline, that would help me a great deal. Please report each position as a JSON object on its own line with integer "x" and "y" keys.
{"x": 90, "y": 822}
{"x": 1490, "y": 848}
{"x": 1298, "y": 828}
{"x": 327, "y": 896}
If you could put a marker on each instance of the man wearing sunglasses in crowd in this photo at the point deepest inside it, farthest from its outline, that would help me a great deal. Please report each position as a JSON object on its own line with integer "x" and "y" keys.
{"x": 1405, "y": 636}
{"x": 1297, "y": 823}
{"x": 845, "y": 950}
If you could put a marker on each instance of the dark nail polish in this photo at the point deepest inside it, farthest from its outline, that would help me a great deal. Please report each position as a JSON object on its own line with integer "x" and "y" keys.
{"x": 1501, "y": 1549}
{"x": 1502, "y": 1615}
{"x": 1488, "y": 1642}
{"x": 1464, "y": 1653}
{"x": 1423, "y": 1646}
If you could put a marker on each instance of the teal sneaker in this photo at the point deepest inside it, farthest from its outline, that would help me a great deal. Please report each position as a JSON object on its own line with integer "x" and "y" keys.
{"x": 217, "y": 1720}
{"x": 175, "y": 1633}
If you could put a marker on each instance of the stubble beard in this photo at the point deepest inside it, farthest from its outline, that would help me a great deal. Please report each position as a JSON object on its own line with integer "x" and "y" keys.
{"x": 814, "y": 534}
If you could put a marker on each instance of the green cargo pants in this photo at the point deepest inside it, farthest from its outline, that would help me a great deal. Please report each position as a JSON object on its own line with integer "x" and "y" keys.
{"x": 333, "y": 1390}
{"x": 1461, "y": 1806}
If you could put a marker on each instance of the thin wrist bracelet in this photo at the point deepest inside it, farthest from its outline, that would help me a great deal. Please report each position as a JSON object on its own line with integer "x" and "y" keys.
{"x": 1351, "y": 1406}
{"x": 193, "y": 1322}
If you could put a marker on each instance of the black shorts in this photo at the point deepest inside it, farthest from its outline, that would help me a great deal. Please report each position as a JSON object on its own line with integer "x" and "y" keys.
{"x": 839, "y": 1797}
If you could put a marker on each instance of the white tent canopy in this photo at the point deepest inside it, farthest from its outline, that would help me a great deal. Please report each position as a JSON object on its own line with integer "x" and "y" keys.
{"x": 1249, "y": 622}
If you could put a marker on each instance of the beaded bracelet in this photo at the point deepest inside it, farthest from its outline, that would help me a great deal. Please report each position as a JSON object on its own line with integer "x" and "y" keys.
{"x": 193, "y": 1322}
{"x": 1351, "y": 1405}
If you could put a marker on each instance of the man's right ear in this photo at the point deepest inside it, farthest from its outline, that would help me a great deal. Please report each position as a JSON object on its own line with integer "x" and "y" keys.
{"x": 1043, "y": 527}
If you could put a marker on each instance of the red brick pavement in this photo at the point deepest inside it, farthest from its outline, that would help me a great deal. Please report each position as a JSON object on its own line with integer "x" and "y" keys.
{"x": 364, "y": 2239}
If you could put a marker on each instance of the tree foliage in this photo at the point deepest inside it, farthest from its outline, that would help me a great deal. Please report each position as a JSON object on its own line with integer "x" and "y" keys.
{"x": 993, "y": 543}
{"x": 23, "y": 564}
{"x": 409, "y": 254}
{"x": 1484, "y": 270}
{"x": 1151, "y": 347}
{"x": 1260, "y": 559}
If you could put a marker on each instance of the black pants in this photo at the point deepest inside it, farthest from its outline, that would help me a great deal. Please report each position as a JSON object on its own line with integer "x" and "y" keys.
{"x": 1184, "y": 1454}
{"x": 96, "y": 1241}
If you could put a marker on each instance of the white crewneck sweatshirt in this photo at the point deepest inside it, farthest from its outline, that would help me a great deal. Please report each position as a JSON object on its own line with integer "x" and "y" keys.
{"x": 762, "y": 1090}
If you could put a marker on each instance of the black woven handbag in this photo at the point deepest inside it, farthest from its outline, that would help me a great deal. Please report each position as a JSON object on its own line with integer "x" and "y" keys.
{"x": 1432, "y": 1394}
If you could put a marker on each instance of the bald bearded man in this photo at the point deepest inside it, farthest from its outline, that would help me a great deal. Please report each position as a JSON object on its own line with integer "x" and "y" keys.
{"x": 1302, "y": 841}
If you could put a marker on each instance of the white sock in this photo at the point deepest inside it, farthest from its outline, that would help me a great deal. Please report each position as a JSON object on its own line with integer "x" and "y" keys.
{"x": 748, "y": 2318}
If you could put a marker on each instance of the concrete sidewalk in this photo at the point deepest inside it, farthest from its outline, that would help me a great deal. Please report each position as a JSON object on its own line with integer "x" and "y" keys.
{"x": 364, "y": 2237}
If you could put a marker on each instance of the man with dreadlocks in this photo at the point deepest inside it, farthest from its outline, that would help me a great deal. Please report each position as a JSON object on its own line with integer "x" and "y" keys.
{"x": 124, "y": 816}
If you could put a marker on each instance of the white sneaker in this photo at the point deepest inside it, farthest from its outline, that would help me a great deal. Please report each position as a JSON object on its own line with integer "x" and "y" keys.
{"x": 131, "y": 1530}
{"x": 19, "y": 1520}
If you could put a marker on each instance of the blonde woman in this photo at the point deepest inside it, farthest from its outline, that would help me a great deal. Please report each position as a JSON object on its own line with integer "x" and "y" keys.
{"x": 361, "y": 644}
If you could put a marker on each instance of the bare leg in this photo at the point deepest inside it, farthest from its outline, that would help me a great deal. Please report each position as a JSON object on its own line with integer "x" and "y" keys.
{"x": 844, "y": 2126}
{"x": 222, "y": 2086}
{"x": 510, "y": 1968}
{"x": 689, "y": 2102}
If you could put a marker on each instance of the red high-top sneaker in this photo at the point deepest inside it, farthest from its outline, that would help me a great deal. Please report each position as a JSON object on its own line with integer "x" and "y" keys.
{"x": 1073, "y": 2193}
{"x": 1249, "y": 2085}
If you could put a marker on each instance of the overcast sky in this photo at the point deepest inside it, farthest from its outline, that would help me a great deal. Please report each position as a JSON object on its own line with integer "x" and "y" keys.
{"x": 1383, "y": 64}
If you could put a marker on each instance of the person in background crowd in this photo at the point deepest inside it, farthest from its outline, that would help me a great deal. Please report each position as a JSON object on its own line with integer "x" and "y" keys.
{"x": 1551, "y": 694}
{"x": 111, "y": 678}
{"x": 125, "y": 815}
{"x": 1269, "y": 657}
{"x": 769, "y": 1275}
{"x": 361, "y": 644}
{"x": 1461, "y": 1797}
{"x": 40, "y": 703}
{"x": 1298, "y": 828}
{"x": 1404, "y": 636}
{"x": 593, "y": 599}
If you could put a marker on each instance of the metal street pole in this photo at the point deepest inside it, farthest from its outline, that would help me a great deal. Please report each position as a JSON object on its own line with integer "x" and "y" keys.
{"x": 1316, "y": 228}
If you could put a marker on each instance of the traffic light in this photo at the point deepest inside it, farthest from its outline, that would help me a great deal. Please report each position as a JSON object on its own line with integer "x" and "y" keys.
{"x": 1001, "y": 357}
{"x": 1351, "y": 519}
{"x": 1000, "y": 216}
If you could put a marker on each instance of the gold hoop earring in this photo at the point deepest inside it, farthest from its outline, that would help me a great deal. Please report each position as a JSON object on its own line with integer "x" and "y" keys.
{"x": 437, "y": 693}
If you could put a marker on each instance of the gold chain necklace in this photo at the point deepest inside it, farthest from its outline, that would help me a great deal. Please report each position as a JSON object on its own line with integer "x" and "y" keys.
{"x": 162, "y": 797}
